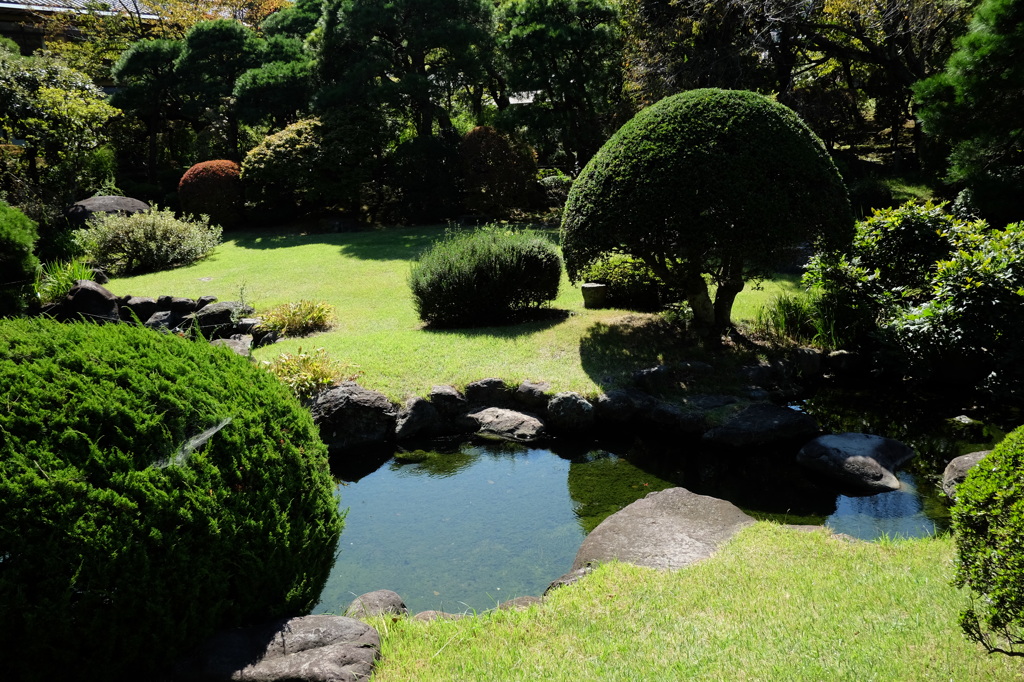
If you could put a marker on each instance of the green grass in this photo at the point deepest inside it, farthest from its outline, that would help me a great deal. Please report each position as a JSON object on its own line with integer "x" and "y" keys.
{"x": 365, "y": 274}
{"x": 774, "y": 604}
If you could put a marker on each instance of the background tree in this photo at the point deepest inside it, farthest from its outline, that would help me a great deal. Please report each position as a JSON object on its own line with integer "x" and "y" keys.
{"x": 975, "y": 105}
{"x": 567, "y": 54}
{"x": 708, "y": 183}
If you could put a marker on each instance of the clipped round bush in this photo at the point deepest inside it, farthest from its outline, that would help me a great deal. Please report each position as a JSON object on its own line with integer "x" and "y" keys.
{"x": 988, "y": 524}
{"x": 496, "y": 175}
{"x": 213, "y": 188}
{"x": 17, "y": 262}
{"x": 630, "y": 283}
{"x": 707, "y": 183}
{"x": 484, "y": 276}
{"x": 147, "y": 241}
{"x": 153, "y": 490}
{"x": 285, "y": 172}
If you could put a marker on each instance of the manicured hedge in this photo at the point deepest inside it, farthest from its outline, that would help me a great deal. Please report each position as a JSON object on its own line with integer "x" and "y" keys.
{"x": 152, "y": 491}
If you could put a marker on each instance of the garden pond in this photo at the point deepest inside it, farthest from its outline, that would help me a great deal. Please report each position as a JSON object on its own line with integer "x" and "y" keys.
{"x": 465, "y": 526}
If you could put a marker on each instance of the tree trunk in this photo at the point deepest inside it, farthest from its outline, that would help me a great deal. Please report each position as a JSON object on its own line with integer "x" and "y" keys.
{"x": 730, "y": 284}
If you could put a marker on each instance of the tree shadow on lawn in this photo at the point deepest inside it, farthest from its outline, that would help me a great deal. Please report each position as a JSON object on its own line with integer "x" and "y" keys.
{"x": 525, "y": 323}
{"x": 399, "y": 243}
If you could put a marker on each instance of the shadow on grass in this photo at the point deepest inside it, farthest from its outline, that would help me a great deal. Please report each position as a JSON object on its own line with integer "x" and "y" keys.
{"x": 398, "y": 243}
{"x": 611, "y": 352}
{"x": 525, "y": 323}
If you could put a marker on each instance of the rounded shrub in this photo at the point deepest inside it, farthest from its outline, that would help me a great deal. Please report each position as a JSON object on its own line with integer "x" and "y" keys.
{"x": 213, "y": 188}
{"x": 147, "y": 241}
{"x": 153, "y": 490}
{"x": 18, "y": 264}
{"x": 285, "y": 173}
{"x": 707, "y": 183}
{"x": 484, "y": 276}
{"x": 988, "y": 524}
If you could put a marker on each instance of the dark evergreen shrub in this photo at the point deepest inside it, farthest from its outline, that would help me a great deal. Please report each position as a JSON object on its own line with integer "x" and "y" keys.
{"x": 484, "y": 276}
{"x": 152, "y": 490}
{"x": 213, "y": 188}
{"x": 988, "y": 523}
{"x": 630, "y": 283}
{"x": 496, "y": 175}
{"x": 18, "y": 264}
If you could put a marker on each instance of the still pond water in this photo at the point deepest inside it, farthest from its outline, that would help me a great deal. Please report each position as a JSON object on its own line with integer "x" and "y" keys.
{"x": 469, "y": 526}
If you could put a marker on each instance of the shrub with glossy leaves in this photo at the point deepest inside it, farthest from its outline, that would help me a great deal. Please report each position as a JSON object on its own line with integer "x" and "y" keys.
{"x": 213, "y": 188}
{"x": 484, "y": 276}
{"x": 988, "y": 524}
{"x": 153, "y": 490}
{"x": 18, "y": 237}
{"x": 630, "y": 283}
{"x": 146, "y": 242}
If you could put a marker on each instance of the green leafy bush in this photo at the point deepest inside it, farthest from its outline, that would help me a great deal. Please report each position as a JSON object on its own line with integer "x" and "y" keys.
{"x": 54, "y": 280}
{"x": 484, "y": 276}
{"x": 285, "y": 173}
{"x": 299, "y": 319}
{"x": 988, "y": 524}
{"x": 630, "y": 283}
{"x": 306, "y": 374}
{"x": 153, "y": 490}
{"x": 18, "y": 264}
{"x": 214, "y": 189}
{"x": 146, "y": 242}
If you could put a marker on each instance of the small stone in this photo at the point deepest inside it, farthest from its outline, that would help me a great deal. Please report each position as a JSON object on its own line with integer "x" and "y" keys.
{"x": 377, "y": 603}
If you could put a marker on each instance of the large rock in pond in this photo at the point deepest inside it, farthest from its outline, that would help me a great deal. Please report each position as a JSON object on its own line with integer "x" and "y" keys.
{"x": 377, "y": 603}
{"x": 859, "y": 462}
{"x": 91, "y": 302}
{"x": 81, "y": 211}
{"x": 418, "y": 417}
{"x": 956, "y": 471}
{"x": 492, "y": 392}
{"x": 764, "y": 425}
{"x": 668, "y": 529}
{"x": 349, "y": 415}
{"x": 495, "y": 422}
{"x": 306, "y": 649}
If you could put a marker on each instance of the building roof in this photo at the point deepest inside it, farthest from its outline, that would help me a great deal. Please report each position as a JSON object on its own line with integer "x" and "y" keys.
{"x": 115, "y": 6}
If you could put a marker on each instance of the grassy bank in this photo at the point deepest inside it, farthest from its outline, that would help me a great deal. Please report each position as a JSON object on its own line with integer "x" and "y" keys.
{"x": 364, "y": 275}
{"x": 774, "y": 604}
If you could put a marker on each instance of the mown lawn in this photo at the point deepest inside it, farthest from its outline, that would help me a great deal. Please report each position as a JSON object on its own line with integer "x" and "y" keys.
{"x": 364, "y": 274}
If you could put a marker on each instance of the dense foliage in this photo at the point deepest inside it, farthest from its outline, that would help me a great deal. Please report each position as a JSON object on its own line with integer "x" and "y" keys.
{"x": 146, "y": 242}
{"x": 17, "y": 263}
{"x": 630, "y": 283}
{"x": 285, "y": 174}
{"x": 984, "y": 130}
{"x": 299, "y": 318}
{"x": 153, "y": 490}
{"x": 308, "y": 373}
{"x": 484, "y": 276}
{"x": 497, "y": 177}
{"x": 214, "y": 189}
{"x": 988, "y": 522}
{"x": 711, "y": 183}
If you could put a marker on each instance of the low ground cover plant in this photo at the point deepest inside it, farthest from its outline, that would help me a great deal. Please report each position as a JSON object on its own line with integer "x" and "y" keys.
{"x": 308, "y": 373}
{"x": 146, "y": 242}
{"x": 153, "y": 490}
{"x": 55, "y": 279}
{"x": 484, "y": 276}
{"x": 299, "y": 318}
{"x": 988, "y": 522}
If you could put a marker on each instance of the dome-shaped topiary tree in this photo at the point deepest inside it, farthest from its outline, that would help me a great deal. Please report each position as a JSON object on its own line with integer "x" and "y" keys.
{"x": 18, "y": 264}
{"x": 714, "y": 183}
{"x": 152, "y": 490}
{"x": 213, "y": 188}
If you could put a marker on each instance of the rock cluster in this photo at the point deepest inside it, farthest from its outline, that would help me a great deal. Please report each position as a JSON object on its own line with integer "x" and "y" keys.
{"x": 228, "y": 323}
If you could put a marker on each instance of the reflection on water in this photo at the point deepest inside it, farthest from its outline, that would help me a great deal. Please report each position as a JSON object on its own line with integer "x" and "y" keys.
{"x": 899, "y": 513}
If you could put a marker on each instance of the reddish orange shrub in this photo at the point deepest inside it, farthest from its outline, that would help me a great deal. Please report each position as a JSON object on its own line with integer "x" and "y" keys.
{"x": 213, "y": 188}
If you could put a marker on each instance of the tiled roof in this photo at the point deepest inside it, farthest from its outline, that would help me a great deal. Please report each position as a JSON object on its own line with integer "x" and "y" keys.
{"x": 133, "y": 6}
